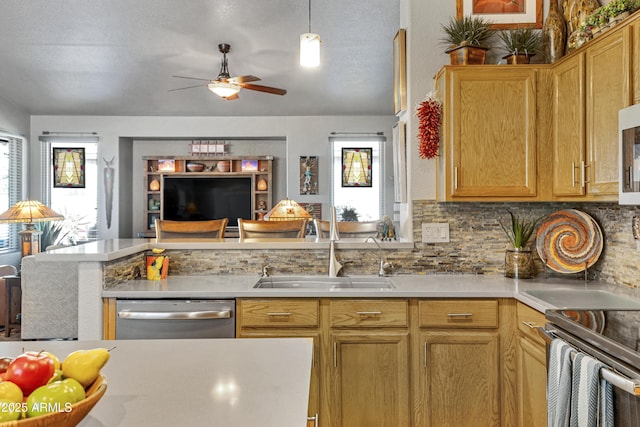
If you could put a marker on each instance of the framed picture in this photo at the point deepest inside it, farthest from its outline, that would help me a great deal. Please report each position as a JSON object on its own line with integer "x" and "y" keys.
{"x": 504, "y": 14}
{"x": 356, "y": 167}
{"x": 308, "y": 175}
{"x": 249, "y": 165}
{"x": 166, "y": 165}
{"x": 68, "y": 167}
{"x": 399, "y": 163}
{"x": 400, "y": 72}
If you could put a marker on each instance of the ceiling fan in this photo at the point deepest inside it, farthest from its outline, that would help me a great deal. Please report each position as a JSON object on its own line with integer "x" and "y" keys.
{"x": 227, "y": 87}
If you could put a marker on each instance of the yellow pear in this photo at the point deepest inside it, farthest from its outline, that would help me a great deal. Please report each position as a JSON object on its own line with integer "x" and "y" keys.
{"x": 84, "y": 365}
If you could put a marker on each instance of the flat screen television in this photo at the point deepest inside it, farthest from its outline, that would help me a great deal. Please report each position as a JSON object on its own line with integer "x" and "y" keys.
{"x": 202, "y": 198}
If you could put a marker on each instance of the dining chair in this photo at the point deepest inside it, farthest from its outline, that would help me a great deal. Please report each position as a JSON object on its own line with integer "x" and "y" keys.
{"x": 174, "y": 230}
{"x": 256, "y": 229}
{"x": 347, "y": 228}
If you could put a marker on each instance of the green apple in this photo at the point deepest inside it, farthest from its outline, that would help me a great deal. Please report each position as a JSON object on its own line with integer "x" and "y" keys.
{"x": 55, "y": 397}
{"x": 76, "y": 387}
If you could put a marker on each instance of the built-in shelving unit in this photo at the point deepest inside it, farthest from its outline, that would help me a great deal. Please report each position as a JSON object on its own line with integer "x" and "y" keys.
{"x": 258, "y": 168}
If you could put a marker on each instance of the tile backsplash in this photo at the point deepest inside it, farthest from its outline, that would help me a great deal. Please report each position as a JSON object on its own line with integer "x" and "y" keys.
{"x": 477, "y": 241}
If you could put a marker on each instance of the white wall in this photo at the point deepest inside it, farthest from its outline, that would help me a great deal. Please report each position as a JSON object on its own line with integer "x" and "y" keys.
{"x": 304, "y": 136}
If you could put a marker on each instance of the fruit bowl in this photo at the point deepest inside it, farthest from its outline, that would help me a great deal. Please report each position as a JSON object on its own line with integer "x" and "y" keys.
{"x": 77, "y": 413}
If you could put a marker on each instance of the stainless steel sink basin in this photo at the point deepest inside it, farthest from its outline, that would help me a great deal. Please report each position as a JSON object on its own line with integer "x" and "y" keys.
{"x": 586, "y": 299}
{"x": 330, "y": 283}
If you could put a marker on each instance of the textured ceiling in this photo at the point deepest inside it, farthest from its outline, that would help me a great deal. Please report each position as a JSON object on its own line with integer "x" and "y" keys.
{"x": 116, "y": 57}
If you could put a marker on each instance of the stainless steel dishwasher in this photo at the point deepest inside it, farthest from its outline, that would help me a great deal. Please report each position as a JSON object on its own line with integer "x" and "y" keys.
{"x": 175, "y": 318}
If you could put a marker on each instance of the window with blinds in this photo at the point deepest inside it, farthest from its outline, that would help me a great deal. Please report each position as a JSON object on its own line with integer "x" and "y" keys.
{"x": 11, "y": 148}
{"x": 366, "y": 199}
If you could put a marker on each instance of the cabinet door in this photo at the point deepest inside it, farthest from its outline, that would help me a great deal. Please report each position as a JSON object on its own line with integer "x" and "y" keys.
{"x": 459, "y": 380}
{"x": 532, "y": 383}
{"x": 493, "y": 129}
{"x": 608, "y": 75}
{"x": 369, "y": 380}
{"x": 635, "y": 66}
{"x": 568, "y": 127}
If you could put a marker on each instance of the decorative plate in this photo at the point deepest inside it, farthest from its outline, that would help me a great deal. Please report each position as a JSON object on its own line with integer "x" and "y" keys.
{"x": 569, "y": 241}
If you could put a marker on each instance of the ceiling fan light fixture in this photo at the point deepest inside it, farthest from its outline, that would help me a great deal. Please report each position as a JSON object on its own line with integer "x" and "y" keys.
{"x": 309, "y": 50}
{"x": 224, "y": 89}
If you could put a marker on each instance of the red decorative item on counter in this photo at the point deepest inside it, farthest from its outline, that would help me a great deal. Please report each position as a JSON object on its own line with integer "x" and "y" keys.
{"x": 429, "y": 114}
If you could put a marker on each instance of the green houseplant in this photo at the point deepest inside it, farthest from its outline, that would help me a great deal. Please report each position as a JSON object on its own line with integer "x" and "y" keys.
{"x": 466, "y": 39}
{"x": 520, "y": 44}
{"x": 519, "y": 258}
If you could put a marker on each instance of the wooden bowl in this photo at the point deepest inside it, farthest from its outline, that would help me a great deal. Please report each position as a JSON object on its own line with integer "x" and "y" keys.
{"x": 195, "y": 167}
{"x": 77, "y": 413}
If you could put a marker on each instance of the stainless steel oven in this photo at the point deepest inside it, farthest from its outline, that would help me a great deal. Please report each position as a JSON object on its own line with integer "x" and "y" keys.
{"x": 613, "y": 337}
{"x": 175, "y": 318}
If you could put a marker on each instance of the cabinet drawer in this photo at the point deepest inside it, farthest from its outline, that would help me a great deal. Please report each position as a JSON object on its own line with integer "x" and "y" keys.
{"x": 368, "y": 313}
{"x": 528, "y": 319}
{"x": 279, "y": 313}
{"x": 458, "y": 313}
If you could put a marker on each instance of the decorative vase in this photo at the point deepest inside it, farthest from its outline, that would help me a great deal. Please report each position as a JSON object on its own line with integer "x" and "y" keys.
{"x": 576, "y": 11}
{"x": 554, "y": 34}
{"x": 224, "y": 166}
{"x": 154, "y": 185}
{"x": 262, "y": 185}
{"x": 518, "y": 263}
{"x": 467, "y": 55}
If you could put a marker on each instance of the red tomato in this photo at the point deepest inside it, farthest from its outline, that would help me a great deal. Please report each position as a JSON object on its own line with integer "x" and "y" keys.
{"x": 30, "y": 371}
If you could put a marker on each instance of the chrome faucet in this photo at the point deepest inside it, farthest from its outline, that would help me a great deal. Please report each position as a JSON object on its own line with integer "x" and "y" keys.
{"x": 385, "y": 267}
{"x": 334, "y": 264}
{"x": 266, "y": 271}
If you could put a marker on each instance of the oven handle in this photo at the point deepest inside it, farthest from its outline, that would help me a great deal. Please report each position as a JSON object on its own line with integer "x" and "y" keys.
{"x": 629, "y": 385}
{"x": 174, "y": 315}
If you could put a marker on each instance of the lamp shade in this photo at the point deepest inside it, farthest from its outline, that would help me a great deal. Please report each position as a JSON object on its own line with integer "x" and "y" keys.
{"x": 285, "y": 210}
{"x": 309, "y": 50}
{"x": 30, "y": 211}
{"x": 224, "y": 89}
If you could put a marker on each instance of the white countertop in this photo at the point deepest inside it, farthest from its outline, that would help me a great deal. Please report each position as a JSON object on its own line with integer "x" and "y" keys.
{"x": 108, "y": 250}
{"x": 222, "y": 382}
{"x": 406, "y": 286}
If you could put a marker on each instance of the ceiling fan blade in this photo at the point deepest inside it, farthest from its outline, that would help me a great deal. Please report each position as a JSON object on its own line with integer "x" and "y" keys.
{"x": 192, "y": 78}
{"x": 232, "y": 97}
{"x": 244, "y": 79}
{"x": 188, "y": 87}
{"x": 267, "y": 89}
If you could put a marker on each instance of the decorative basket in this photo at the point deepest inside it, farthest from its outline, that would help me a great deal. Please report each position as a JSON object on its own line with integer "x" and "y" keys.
{"x": 77, "y": 413}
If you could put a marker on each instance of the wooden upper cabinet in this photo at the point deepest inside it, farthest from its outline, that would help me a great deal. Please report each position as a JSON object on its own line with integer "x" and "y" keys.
{"x": 608, "y": 74}
{"x": 568, "y": 135}
{"x": 635, "y": 64}
{"x": 489, "y": 128}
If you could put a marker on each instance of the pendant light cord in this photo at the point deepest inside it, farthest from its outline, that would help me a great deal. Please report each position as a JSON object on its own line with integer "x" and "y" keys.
{"x": 309, "y": 16}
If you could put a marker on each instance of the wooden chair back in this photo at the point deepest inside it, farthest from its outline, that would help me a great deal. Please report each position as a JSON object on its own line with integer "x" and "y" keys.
{"x": 209, "y": 229}
{"x": 347, "y": 228}
{"x": 252, "y": 229}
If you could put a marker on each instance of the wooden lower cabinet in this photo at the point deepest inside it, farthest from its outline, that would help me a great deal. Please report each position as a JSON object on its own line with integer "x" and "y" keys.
{"x": 532, "y": 369}
{"x": 459, "y": 380}
{"x": 369, "y": 379}
{"x": 408, "y": 362}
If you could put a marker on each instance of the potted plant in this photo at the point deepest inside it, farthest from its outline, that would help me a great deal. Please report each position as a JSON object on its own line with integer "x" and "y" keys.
{"x": 466, "y": 39}
{"x": 519, "y": 258}
{"x": 520, "y": 44}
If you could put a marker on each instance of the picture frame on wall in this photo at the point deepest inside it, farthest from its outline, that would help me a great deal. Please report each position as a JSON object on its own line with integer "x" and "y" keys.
{"x": 399, "y": 163}
{"x": 308, "y": 175}
{"x": 503, "y": 14}
{"x": 356, "y": 167}
{"x": 400, "y": 71}
{"x": 68, "y": 167}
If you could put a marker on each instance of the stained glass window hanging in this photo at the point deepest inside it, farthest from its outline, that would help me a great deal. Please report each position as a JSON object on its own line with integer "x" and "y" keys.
{"x": 356, "y": 167}
{"x": 68, "y": 167}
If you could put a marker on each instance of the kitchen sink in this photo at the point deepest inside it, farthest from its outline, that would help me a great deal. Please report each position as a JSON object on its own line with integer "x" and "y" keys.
{"x": 330, "y": 283}
{"x": 586, "y": 299}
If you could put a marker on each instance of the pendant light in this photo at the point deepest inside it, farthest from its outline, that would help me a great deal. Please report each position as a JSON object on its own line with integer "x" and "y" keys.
{"x": 309, "y": 46}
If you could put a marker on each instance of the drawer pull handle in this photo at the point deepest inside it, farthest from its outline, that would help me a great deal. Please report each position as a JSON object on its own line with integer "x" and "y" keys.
{"x": 531, "y": 325}
{"x": 279, "y": 314}
{"x": 368, "y": 313}
{"x": 459, "y": 314}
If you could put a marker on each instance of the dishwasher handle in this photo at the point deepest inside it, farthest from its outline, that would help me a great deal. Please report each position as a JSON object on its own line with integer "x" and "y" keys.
{"x": 174, "y": 315}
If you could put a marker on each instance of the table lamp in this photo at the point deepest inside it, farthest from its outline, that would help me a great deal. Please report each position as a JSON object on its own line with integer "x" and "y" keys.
{"x": 287, "y": 210}
{"x": 30, "y": 212}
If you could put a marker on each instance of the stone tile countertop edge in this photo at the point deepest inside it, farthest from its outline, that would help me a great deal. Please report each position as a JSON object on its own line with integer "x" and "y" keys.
{"x": 406, "y": 286}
